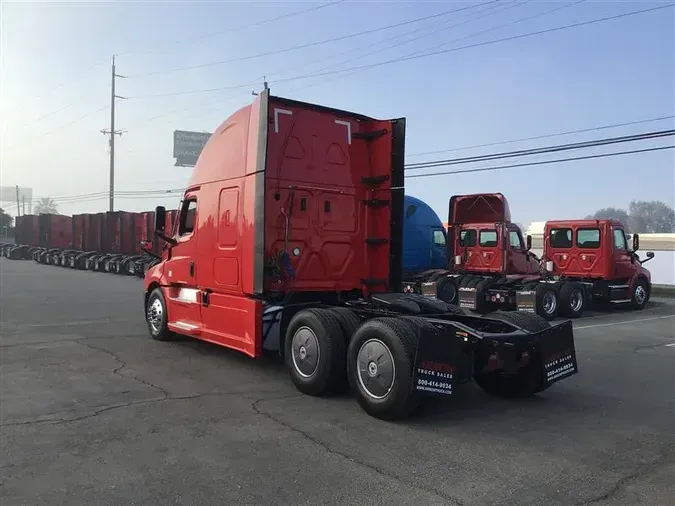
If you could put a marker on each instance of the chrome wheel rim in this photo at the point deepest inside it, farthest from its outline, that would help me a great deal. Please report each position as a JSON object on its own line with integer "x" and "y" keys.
{"x": 375, "y": 369}
{"x": 305, "y": 352}
{"x": 576, "y": 300}
{"x": 155, "y": 315}
{"x": 549, "y": 303}
{"x": 640, "y": 294}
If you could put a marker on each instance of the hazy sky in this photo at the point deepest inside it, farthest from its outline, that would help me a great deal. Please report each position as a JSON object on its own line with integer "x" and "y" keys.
{"x": 55, "y": 72}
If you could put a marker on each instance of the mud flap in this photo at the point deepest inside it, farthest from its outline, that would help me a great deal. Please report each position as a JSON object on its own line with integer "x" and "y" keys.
{"x": 467, "y": 298}
{"x": 558, "y": 356}
{"x": 441, "y": 362}
{"x": 526, "y": 301}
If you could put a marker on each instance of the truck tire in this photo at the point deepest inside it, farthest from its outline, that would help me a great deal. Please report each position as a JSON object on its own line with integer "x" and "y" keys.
{"x": 572, "y": 299}
{"x": 315, "y": 352}
{"x": 157, "y": 316}
{"x": 434, "y": 276}
{"x": 380, "y": 361}
{"x": 473, "y": 281}
{"x": 446, "y": 290}
{"x": 465, "y": 280}
{"x": 348, "y": 320}
{"x": 547, "y": 300}
{"x": 640, "y": 295}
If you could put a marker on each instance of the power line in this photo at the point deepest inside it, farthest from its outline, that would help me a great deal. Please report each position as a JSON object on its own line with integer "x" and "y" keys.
{"x": 348, "y": 60}
{"x": 238, "y": 28}
{"x": 542, "y": 162}
{"x": 546, "y": 136}
{"x": 468, "y": 36}
{"x": 425, "y": 55}
{"x": 65, "y": 125}
{"x": 315, "y": 43}
{"x": 162, "y": 193}
{"x": 543, "y": 150}
{"x": 158, "y": 193}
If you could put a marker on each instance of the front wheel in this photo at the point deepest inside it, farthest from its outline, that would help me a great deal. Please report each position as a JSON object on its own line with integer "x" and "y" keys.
{"x": 157, "y": 317}
{"x": 640, "y": 295}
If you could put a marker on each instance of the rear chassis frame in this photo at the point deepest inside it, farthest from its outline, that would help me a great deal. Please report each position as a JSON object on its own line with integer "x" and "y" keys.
{"x": 460, "y": 345}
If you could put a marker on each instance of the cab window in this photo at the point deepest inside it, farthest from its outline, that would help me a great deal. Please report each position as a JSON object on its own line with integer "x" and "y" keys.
{"x": 467, "y": 238}
{"x": 187, "y": 217}
{"x": 619, "y": 240}
{"x": 515, "y": 240}
{"x": 488, "y": 238}
{"x": 439, "y": 238}
{"x": 588, "y": 238}
{"x": 560, "y": 237}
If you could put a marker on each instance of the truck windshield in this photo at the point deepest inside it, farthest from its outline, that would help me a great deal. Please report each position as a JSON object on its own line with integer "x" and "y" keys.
{"x": 515, "y": 240}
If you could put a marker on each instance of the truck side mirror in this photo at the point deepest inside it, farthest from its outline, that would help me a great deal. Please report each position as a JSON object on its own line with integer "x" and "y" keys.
{"x": 528, "y": 242}
{"x": 160, "y": 218}
{"x": 650, "y": 254}
{"x": 636, "y": 242}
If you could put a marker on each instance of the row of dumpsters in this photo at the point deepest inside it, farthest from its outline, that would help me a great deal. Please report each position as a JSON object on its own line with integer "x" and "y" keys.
{"x": 118, "y": 242}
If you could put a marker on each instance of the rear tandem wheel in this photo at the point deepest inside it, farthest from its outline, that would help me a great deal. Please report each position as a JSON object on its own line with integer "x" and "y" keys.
{"x": 380, "y": 361}
{"x": 315, "y": 352}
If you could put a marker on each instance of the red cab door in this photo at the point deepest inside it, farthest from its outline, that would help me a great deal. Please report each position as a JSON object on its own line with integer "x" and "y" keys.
{"x": 623, "y": 264}
{"x": 182, "y": 295}
{"x": 518, "y": 258}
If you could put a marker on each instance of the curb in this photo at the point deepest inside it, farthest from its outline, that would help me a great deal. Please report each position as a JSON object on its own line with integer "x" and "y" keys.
{"x": 663, "y": 291}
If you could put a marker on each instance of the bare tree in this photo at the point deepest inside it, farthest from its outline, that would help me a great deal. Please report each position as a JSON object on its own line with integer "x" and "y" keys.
{"x": 46, "y": 206}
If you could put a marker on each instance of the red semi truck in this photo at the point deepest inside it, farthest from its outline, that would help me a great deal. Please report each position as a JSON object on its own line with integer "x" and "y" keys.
{"x": 493, "y": 268}
{"x": 289, "y": 239}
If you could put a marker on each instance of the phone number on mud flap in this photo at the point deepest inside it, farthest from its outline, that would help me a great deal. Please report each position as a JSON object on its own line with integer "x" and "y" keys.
{"x": 560, "y": 371}
{"x": 434, "y": 384}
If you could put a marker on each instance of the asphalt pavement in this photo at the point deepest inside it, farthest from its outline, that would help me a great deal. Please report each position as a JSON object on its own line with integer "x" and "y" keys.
{"x": 94, "y": 412}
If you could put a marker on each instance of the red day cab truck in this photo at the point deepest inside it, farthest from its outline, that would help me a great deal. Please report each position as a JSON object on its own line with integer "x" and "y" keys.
{"x": 289, "y": 239}
{"x": 492, "y": 267}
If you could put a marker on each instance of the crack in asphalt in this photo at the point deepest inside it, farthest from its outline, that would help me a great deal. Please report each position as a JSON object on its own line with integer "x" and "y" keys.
{"x": 665, "y": 458}
{"x": 123, "y": 364}
{"x": 305, "y": 435}
{"x": 112, "y": 407}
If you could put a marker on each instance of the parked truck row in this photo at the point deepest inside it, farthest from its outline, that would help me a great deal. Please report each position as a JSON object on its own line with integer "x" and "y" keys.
{"x": 115, "y": 242}
{"x": 490, "y": 266}
{"x": 290, "y": 239}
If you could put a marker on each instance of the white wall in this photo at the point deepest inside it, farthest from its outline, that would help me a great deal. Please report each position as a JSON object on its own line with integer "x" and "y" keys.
{"x": 662, "y": 266}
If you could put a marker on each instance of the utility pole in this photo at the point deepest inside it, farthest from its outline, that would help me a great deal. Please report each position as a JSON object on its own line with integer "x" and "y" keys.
{"x": 23, "y": 202}
{"x": 265, "y": 87}
{"x": 18, "y": 206}
{"x": 112, "y": 132}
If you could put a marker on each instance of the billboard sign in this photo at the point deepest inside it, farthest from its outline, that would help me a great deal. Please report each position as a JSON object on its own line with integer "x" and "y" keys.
{"x": 8, "y": 195}
{"x": 187, "y": 146}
